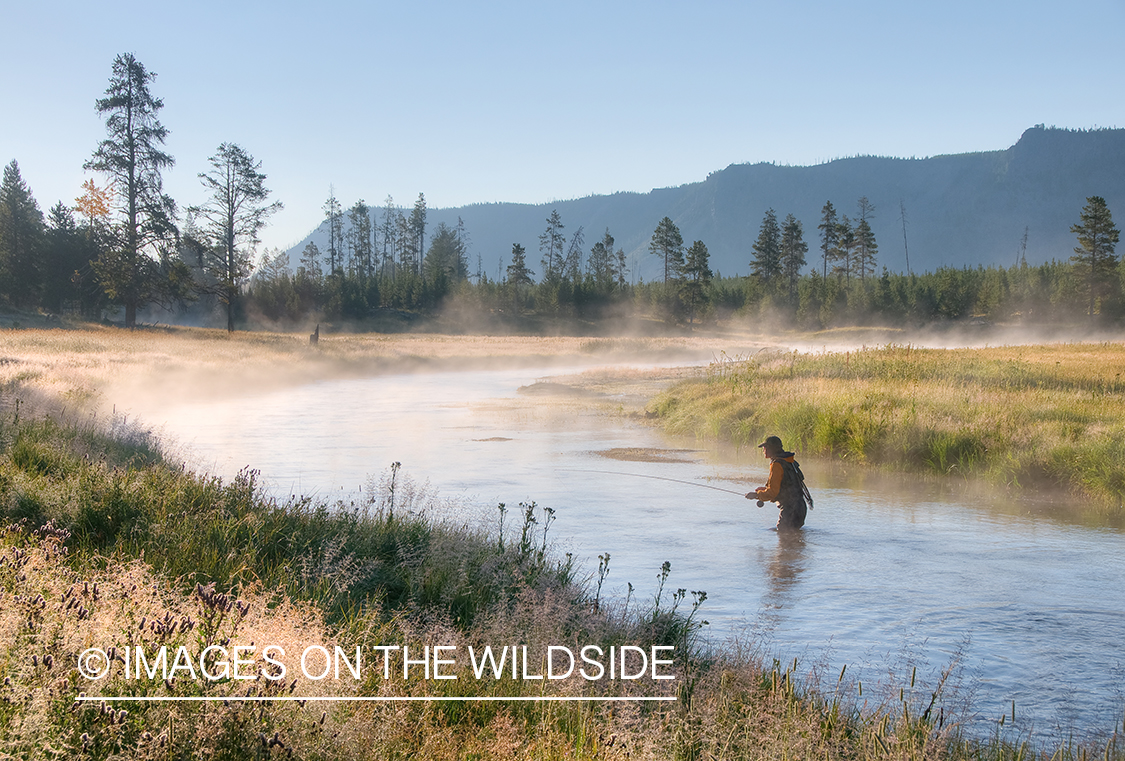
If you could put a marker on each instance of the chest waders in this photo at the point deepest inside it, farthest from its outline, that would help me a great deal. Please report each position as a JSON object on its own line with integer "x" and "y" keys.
{"x": 793, "y": 498}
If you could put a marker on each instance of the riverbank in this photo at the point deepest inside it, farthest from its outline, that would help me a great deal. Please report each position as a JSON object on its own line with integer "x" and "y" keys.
{"x": 1024, "y": 417}
{"x": 316, "y": 572}
{"x": 110, "y": 546}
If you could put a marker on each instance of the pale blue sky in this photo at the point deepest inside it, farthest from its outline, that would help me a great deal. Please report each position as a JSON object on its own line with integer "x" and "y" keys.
{"x": 532, "y": 102}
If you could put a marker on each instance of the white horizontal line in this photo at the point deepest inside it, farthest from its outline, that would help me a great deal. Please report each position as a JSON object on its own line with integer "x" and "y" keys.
{"x": 372, "y": 699}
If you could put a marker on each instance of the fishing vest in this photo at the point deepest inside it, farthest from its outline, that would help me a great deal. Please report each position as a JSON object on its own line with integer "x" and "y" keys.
{"x": 793, "y": 492}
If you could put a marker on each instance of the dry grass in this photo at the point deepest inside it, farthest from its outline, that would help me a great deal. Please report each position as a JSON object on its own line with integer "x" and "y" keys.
{"x": 99, "y": 366}
{"x": 313, "y": 573}
{"x": 1020, "y": 416}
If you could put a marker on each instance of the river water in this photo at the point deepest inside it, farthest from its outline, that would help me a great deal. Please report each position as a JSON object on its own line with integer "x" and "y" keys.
{"x": 884, "y": 579}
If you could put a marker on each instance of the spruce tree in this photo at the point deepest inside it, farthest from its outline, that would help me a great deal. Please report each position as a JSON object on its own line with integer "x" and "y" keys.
{"x": 21, "y": 240}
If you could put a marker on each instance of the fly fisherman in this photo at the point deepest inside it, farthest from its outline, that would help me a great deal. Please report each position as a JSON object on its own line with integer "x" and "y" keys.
{"x": 785, "y": 486}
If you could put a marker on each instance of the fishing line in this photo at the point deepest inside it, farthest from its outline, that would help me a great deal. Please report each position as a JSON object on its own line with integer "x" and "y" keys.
{"x": 657, "y": 478}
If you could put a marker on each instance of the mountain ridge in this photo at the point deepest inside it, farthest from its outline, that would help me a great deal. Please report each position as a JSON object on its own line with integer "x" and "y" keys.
{"x": 961, "y": 209}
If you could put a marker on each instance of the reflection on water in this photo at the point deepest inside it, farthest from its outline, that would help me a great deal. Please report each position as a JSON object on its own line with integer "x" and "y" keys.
{"x": 879, "y": 578}
{"x": 785, "y": 566}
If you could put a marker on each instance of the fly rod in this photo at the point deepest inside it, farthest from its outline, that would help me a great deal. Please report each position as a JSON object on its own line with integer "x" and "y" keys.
{"x": 657, "y": 478}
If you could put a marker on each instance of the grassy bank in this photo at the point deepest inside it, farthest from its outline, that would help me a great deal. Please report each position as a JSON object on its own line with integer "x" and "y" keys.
{"x": 107, "y": 542}
{"x": 108, "y": 545}
{"x": 1023, "y": 416}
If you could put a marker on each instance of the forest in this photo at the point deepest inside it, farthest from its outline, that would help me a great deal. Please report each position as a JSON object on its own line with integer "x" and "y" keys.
{"x": 124, "y": 246}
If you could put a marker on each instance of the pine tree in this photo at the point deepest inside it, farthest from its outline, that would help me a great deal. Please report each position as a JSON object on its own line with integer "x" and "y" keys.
{"x": 846, "y": 242}
{"x": 418, "y": 225}
{"x": 464, "y": 241}
{"x": 601, "y": 263}
{"x": 697, "y": 277}
{"x": 793, "y": 250}
{"x": 551, "y": 246}
{"x": 766, "y": 265}
{"x": 572, "y": 262}
{"x": 865, "y": 250}
{"x": 829, "y": 234}
{"x": 310, "y": 261}
{"x": 1094, "y": 258}
{"x": 865, "y": 247}
{"x": 518, "y": 277}
{"x": 233, "y": 216}
{"x": 445, "y": 260}
{"x": 360, "y": 242}
{"x": 668, "y": 244}
{"x": 66, "y": 253}
{"x": 132, "y": 157}
{"x": 334, "y": 216}
{"x": 21, "y": 240}
{"x": 518, "y": 273}
{"x": 390, "y": 254}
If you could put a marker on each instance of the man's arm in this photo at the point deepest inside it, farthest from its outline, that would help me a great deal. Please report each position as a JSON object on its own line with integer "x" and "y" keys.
{"x": 769, "y": 492}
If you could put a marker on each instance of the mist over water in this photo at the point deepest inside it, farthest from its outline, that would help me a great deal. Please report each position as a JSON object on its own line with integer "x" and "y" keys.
{"x": 882, "y": 579}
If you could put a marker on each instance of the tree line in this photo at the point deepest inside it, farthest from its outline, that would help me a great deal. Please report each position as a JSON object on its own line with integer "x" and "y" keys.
{"x": 125, "y": 243}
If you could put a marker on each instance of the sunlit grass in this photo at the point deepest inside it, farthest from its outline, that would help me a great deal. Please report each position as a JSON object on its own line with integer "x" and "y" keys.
{"x": 108, "y": 545}
{"x": 389, "y": 570}
{"x": 99, "y": 367}
{"x": 1022, "y": 416}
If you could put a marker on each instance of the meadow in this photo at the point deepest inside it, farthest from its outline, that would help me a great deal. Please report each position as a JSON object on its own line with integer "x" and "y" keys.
{"x": 110, "y": 541}
{"x": 1024, "y": 417}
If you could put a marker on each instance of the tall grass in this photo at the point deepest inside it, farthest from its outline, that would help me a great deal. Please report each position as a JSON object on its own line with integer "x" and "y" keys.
{"x": 109, "y": 544}
{"x": 1021, "y": 416}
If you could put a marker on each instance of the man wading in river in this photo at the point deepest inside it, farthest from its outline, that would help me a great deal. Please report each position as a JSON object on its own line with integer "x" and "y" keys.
{"x": 785, "y": 486}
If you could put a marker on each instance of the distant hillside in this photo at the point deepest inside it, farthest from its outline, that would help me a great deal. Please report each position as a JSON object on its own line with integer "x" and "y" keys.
{"x": 964, "y": 209}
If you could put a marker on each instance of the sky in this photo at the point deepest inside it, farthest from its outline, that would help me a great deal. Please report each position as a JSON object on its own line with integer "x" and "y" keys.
{"x": 534, "y": 102}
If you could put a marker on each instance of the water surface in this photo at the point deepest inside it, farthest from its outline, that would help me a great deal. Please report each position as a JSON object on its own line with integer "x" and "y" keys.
{"x": 883, "y": 578}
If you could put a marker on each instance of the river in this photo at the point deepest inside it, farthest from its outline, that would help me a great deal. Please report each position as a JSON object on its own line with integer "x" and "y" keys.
{"x": 887, "y": 577}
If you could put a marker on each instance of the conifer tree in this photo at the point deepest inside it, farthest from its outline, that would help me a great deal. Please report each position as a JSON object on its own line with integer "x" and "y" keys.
{"x": 233, "y": 216}
{"x": 387, "y": 228}
{"x": 601, "y": 263}
{"x": 865, "y": 250}
{"x": 697, "y": 276}
{"x": 360, "y": 241}
{"x": 518, "y": 273}
{"x": 766, "y": 265}
{"x": 845, "y": 247}
{"x": 21, "y": 240}
{"x": 793, "y": 250}
{"x": 865, "y": 246}
{"x": 668, "y": 244}
{"x": 518, "y": 277}
{"x": 418, "y": 225}
{"x": 1094, "y": 258}
{"x": 551, "y": 246}
{"x": 829, "y": 234}
{"x": 445, "y": 260}
{"x": 132, "y": 157}
{"x": 66, "y": 254}
{"x": 310, "y": 261}
{"x": 334, "y": 216}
